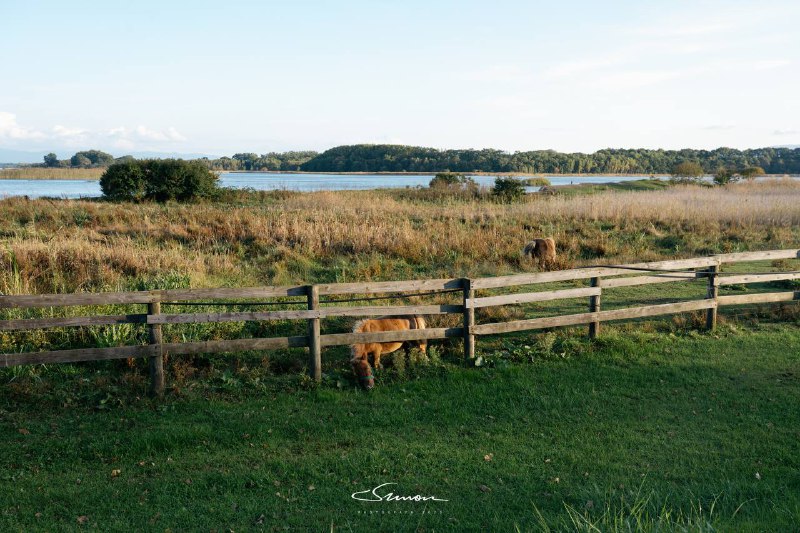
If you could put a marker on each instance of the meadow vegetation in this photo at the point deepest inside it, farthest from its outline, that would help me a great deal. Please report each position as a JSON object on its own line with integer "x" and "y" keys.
{"x": 284, "y": 237}
{"x": 654, "y": 426}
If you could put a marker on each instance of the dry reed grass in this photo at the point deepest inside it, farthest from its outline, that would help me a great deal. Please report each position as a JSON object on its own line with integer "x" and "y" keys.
{"x": 40, "y": 173}
{"x": 67, "y": 245}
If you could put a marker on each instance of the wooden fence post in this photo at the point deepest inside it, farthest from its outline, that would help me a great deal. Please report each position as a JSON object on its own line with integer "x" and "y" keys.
{"x": 594, "y": 307}
{"x": 314, "y": 347}
{"x": 156, "y": 361}
{"x": 469, "y": 320}
{"x": 712, "y": 293}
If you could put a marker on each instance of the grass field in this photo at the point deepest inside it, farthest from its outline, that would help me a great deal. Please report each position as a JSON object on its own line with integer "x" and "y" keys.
{"x": 637, "y": 432}
{"x": 652, "y": 427}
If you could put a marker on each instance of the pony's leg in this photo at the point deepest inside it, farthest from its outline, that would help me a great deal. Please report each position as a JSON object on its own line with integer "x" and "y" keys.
{"x": 423, "y": 348}
{"x": 377, "y": 354}
{"x": 407, "y": 351}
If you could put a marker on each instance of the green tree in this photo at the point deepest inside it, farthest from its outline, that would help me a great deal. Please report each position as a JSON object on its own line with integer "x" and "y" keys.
{"x": 752, "y": 172}
{"x": 688, "y": 171}
{"x": 452, "y": 180}
{"x": 51, "y": 160}
{"x": 508, "y": 189}
{"x": 724, "y": 175}
{"x": 91, "y": 158}
{"x": 80, "y": 161}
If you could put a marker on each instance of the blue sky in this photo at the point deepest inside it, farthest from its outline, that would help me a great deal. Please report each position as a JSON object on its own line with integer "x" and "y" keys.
{"x": 221, "y": 77}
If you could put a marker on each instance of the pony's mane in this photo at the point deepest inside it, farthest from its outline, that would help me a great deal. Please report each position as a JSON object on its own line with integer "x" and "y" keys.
{"x": 359, "y": 326}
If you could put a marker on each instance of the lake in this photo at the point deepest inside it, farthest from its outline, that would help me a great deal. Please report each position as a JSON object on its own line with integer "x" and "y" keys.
{"x": 271, "y": 181}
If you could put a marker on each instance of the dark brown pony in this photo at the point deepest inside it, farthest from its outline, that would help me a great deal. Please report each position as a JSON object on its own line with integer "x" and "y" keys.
{"x": 541, "y": 250}
{"x": 361, "y": 352}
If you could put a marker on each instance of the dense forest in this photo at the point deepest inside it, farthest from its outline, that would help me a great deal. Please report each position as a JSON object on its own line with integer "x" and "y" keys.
{"x": 394, "y": 158}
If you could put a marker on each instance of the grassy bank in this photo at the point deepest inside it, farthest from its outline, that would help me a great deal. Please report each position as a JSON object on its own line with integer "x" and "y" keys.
{"x": 636, "y": 432}
{"x": 38, "y": 173}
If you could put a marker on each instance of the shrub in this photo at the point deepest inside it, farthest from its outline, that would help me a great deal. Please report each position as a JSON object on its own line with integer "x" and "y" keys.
{"x": 452, "y": 180}
{"x": 687, "y": 172}
{"x": 752, "y": 172}
{"x": 158, "y": 179}
{"x": 536, "y": 181}
{"x": 123, "y": 181}
{"x": 723, "y": 176}
{"x": 508, "y": 189}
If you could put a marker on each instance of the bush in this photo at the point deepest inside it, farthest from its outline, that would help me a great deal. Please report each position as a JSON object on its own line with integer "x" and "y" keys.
{"x": 687, "y": 172}
{"x": 158, "y": 179}
{"x": 508, "y": 189}
{"x": 123, "y": 181}
{"x": 723, "y": 176}
{"x": 752, "y": 172}
{"x": 536, "y": 181}
{"x": 452, "y": 180}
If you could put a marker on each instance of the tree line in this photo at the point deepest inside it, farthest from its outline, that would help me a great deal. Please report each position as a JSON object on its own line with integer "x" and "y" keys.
{"x": 397, "y": 158}
{"x": 394, "y": 158}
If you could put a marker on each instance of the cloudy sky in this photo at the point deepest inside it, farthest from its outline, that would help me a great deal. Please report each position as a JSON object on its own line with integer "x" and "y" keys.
{"x": 223, "y": 77}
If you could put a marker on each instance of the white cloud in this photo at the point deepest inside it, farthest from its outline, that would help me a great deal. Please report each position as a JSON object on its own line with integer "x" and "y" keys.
{"x": 500, "y": 74}
{"x": 786, "y": 132}
{"x": 62, "y": 131}
{"x": 693, "y": 30}
{"x": 572, "y": 68}
{"x": 769, "y": 64}
{"x": 631, "y": 79}
{"x": 9, "y": 129}
{"x": 60, "y": 136}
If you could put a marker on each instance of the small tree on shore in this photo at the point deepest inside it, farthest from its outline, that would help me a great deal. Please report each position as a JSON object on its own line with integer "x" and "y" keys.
{"x": 724, "y": 175}
{"x": 687, "y": 172}
{"x": 508, "y": 189}
{"x": 452, "y": 180}
{"x": 752, "y": 172}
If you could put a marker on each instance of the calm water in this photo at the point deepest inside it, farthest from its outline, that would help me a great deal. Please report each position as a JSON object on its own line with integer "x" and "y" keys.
{"x": 266, "y": 182}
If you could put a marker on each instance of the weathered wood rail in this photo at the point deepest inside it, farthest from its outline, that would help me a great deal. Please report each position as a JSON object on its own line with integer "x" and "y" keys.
{"x": 601, "y": 279}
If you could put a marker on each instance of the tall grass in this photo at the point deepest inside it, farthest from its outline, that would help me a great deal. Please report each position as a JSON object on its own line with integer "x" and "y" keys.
{"x": 40, "y": 173}
{"x": 286, "y": 238}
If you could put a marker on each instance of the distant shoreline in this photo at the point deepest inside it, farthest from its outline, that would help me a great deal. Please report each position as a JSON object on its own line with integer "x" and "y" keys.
{"x": 94, "y": 174}
{"x": 433, "y": 173}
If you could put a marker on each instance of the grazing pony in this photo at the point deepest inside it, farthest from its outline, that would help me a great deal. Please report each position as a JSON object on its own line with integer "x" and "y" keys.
{"x": 542, "y": 250}
{"x": 362, "y": 352}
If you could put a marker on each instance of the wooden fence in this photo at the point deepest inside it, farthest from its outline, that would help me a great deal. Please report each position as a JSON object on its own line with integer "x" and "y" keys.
{"x": 600, "y": 278}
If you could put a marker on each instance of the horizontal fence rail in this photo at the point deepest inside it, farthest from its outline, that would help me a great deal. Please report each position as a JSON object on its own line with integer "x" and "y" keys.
{"x": 601, "y": 278}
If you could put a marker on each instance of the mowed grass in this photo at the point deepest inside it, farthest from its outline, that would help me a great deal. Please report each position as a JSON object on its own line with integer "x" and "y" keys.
{"x": 634, "y": 432}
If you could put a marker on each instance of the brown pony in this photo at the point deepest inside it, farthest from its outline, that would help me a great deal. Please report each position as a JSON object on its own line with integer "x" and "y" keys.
{"x": 362, "y": 352}
{"x": 543, "y": 250}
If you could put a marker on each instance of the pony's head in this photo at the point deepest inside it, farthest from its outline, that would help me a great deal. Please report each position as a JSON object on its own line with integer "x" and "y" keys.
{"x": 363, "y": 372}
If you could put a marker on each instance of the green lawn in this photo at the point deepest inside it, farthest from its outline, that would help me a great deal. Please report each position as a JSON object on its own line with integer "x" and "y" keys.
{"x": 635, "y": 431}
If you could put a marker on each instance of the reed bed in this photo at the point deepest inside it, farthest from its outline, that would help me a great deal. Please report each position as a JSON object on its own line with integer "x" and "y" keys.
{"x": 40, "y": 173}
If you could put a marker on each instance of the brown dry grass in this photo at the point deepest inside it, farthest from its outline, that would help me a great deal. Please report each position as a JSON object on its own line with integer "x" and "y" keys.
{"x": 283, "y": 238}
{"x": 40, "y": 173}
